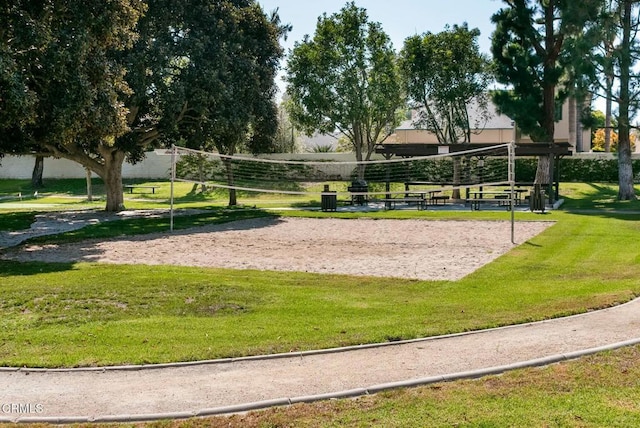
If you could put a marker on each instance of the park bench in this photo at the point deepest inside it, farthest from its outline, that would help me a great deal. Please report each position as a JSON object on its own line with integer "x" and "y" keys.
{"x": 500, "y": 199}
{"x": 131, "y": 187}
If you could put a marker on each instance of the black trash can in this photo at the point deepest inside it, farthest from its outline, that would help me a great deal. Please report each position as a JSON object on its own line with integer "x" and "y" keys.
{"x": 328, "y": 199}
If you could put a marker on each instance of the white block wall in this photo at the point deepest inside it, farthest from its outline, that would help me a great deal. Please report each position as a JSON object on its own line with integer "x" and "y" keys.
{"x": 156, "y": 165}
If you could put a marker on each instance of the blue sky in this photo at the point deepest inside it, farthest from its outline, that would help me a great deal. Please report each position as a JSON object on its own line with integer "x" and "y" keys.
{"x": 399, "y": 18}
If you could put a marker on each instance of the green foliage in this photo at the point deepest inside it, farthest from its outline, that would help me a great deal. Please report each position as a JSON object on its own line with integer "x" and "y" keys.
{"x": 528, "y": 51}
{"x": 443, "y": 73}
{"x": 575, "y": 170}
{"x": 223, "y": 96}
{"x": 62, "y": 89}
{"x": 593, "y": 170}
{"x": 345, "y": 78}
{"x": 571, "y": 170}
{"x": 105, "y": 80}
{"x": 262, "y": 175}
{"x": 197, "y": 167}
{"x": 287, "y": 137}
{"x": 322, "y": 148}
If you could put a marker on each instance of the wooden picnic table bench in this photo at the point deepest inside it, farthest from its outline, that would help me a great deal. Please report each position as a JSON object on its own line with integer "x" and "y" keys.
{"x": 501, "y": 198}
{"x": 390, "y": 203}
{"x": 130, "y": 187}
{"x": 439, "y": 199}
{"x": 434, "y": 197}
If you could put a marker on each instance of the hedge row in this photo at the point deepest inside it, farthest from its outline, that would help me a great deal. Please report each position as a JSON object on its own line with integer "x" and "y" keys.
{"x": 577, "y": 170}
{"x": 436, "y": 170}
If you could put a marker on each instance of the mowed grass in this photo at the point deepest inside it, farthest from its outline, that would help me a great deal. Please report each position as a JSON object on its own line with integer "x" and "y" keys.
{"x": 585, "y": 261}
{"x": 81, "y": 314}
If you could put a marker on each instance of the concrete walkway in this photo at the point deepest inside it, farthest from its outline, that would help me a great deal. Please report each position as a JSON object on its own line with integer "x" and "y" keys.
{"x": 132, "y": 393}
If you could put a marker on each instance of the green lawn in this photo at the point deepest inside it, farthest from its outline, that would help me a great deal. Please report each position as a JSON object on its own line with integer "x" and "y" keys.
{"x": 87, "y": 314}
{"x": 597, "y": 391}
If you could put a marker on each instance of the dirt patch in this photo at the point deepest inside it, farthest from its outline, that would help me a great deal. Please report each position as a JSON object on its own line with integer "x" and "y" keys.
{"x": 418, "y": 249}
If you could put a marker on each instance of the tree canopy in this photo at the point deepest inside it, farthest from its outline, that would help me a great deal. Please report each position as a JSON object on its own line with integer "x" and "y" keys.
{"x": 61, "y": 88}
{"x": 528, "y": 48}
{"x": 97, "y": 82}
{"x": 444, "y": 75}
{"x": 346, "y": 78}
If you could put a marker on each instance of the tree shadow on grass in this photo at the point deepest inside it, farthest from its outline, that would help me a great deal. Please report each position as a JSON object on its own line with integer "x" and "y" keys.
{"x": 608, "y": 214}
{"x": 601, "y": 200}
{"x": 14, "y": 268}
{"x": 86, "y": 246}
{"x": 12, "y": 221}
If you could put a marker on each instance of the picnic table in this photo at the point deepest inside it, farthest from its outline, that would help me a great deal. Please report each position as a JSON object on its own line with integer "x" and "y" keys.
{"x": 435, "y": 198}
{"x": 501, "y": 197}
{"x": 130, "y": 187}
{"x": 476, "y": 198}
{"x": 518, "y": 194}
{"x": 390, "y": 203}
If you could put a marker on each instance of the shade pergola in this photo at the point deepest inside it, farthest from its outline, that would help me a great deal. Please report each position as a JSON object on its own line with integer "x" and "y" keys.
{"x": 556, "y": 150}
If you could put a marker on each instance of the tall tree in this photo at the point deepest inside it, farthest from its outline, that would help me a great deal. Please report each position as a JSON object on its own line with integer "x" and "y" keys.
{"x": 59, "y": 58}
{"x": 446, "y": 76}
{"x": 610, "y": 58}
{"x": 607, "y": 30}
{"x": 528, "y": 46}
{"x": 203, "y": 73}
{"x": 105, "y": 83}
{"x": 287, "y": 136}
{"x": 443, "y": 74}
{"x": 346, "y": 78}
{"x": 592, "y": 61}
{"x": 626, "y": 105}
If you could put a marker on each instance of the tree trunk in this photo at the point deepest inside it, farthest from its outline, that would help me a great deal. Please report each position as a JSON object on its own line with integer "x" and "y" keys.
{"x": 36, "y": 175}
{"x": 233, "y": 198}
{"x": 543, "y": 173}
{"x": 626, "y": 192}
{"x": 581, "y": 102}
{"x": 358, "y": 145}
{"x": 573, "y": 121}
{"x": 111, "y": 175}
{"x": 607, "y": 114}
{"x": 625, "y": 168}
{"x": 201, "y": 173}
{"x": 457, "y": 170}
{"x": 89, "y": 187}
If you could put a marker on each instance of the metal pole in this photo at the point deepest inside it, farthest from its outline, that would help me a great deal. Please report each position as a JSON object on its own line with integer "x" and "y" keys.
{"x": 173, "y": 178}
{"x": 512, "y": 182}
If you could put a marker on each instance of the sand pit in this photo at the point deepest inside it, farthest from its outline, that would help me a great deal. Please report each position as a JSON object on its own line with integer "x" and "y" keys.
{"x": 418, "y": 249}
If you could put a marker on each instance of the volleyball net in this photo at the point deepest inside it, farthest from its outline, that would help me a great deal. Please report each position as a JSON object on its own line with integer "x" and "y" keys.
{"x": 490, "y": 166}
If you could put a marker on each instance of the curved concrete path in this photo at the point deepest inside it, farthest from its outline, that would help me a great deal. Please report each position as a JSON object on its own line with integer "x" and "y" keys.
{"x": 134, "y": 393}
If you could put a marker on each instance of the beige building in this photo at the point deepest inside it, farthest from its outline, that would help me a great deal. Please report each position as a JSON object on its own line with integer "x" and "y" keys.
{"x": 499, "y": 129}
